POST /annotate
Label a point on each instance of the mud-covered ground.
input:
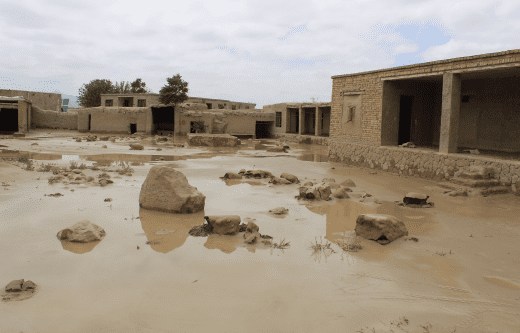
(462, 275)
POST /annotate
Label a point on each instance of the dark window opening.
(127, 102)
(9, 120)
(209, 106)
(109, 102)
(278, 119)
(197, 126)
(133, 128)
(465, 98)
(89, 121)
(247, 106)
(233, 107)
(221, 106)
(141, 102)
(405, 118)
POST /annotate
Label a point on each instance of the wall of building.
(222, 103)
(151, 99)
(24, 109)
(113, 119)
(273, 108)
(53, 119)
(45, 101)
(491, 117)
(374, 107)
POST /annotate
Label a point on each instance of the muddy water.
(175, 282)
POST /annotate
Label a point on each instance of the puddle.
(313, 157)
(79, 248)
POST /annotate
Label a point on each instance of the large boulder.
(380, 228)
(82, 232)
(318, 192)
(224, 224)
(292, 178)
(136, 146)
(280, 181)
(258, 174)
(342, 193)
(166, 189)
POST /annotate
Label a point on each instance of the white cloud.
(259, 51)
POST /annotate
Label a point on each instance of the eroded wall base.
(421, 163)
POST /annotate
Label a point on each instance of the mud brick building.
(302, 122)
(15, 115)
(444, 107)
(144, 100)
(42, 100)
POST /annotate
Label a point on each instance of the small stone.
(279, 211)
(14, 286)
(348, 183)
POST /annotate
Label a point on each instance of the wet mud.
(149, 275)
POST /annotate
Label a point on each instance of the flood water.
(149, 275)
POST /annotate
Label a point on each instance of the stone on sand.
(82, 232)
(166, 189)
(224, 224)
(292, 178)
(380, 228)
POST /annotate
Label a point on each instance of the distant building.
(44, 101)
(144, 100)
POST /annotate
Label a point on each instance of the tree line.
(175, 91)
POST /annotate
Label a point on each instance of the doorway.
(8, 120)
(263, 129)
(405, 118)
(163, 119)
(133, 128)
(89, 121)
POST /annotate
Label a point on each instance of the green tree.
(90, 93)
(139, 87)
(122, 87)
(176, 91)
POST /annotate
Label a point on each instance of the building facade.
(444, 107)
(44, 101)
(144, 100)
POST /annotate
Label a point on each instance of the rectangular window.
(109, 102)
(141, 102)
(278, 119)
(209, 106)
(247, 106)
(233, 107)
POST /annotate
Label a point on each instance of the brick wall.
(369, 85)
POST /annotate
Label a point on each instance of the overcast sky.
(262, 51)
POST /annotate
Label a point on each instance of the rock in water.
(341, 193)
(82, 232)
(224, 224)
(232, 175)
(414, 198)
(380, 228)
(348, 183)
(136, 146)
(292, 178)
(279, 211)
(166, 189)
(15, 285)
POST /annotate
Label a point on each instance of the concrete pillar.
(300, 127)
(318, 122)
(449, 136)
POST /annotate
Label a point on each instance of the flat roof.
(485, 55)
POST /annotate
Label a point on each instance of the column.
(300, 126)
(317, 132)
(449, 136)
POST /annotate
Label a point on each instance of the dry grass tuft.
(282, 245)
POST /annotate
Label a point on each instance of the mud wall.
(424, 164)
(45, 101)
(53, 119)
(232, 122)
(118, 120)
(24, 109)
(278, 108)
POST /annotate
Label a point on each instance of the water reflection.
(154, 223)
(341, 216)
(224, 243)
(313, 157)
(231, 182)
(79, 248)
